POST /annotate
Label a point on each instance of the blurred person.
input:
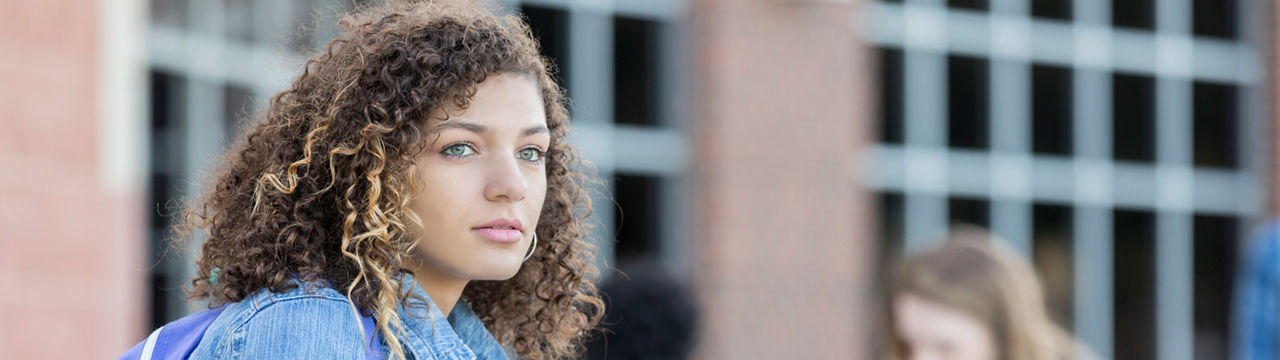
(1257, 308)
(970, 297)
(416, 173)
(650, 316)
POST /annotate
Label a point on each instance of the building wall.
(1118, 145)
(781, 228)
(70, 226)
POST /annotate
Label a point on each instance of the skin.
(932, 331)
(483, 163)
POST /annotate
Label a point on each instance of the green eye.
(530, 154)
(458, 150)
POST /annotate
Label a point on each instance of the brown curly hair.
(319, 189)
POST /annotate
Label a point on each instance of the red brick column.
(784, 246)
(71, 246)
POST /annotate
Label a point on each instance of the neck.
(443, 288)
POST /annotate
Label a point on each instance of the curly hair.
(319, 188)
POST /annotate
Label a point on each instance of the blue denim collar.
(431, 335)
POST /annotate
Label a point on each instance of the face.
(481, 182)
(933, 331)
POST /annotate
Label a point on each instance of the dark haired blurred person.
(648, 315)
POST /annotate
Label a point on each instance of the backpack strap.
(149, 346)
(175, 340)
(371, 338)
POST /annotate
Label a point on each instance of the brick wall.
(784, 253)
(70, 246)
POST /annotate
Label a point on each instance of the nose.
(505, 182)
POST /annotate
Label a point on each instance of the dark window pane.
(1053, 254)
(550, 27)
(1051, 109)
(969, 211)
(892, 216)
(1138, 14)
(1133, 117)
(890, 94)
(166, 99)
(1134, 286)
(967, 94)
(163, 192)
(1216, 18)
(162, 206)
(302, 33)
(635, 71)
(636, 216)
(239, 15)
(1215, 120)
(237, 108)
(968, 4)
(169, 12)
(159, 299)
(1051, 9)
(1215, 265)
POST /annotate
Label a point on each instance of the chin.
(499, 270)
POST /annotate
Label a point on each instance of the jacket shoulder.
(300, 323)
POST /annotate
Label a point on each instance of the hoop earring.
(532, 247)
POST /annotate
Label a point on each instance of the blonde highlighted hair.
(319, 188)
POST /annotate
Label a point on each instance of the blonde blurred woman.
(971, 297)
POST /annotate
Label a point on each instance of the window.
(241, 22)
(980, 5)
(1214, 18)
(1215, 119)
(167, 156)
(1133, 117)
(551, 28)
(891, 216)
(890, 95)
(169, 12)
(1051, 9)
(635, 71)
(1134, 287)
(970, 211)
(967, 94)
(237, 109)
(1138, 14)
(1215, 268)
(1052, 250)
(636, 215)
(1051, 109)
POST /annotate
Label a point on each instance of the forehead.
(935, 321)
(509, 100)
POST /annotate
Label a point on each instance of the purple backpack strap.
(371, 338)
(175, 340)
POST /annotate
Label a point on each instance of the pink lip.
(488, 230)
(498, 235)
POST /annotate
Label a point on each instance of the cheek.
(440, 192)
(537, 196)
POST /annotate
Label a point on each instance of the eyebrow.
(481, 129)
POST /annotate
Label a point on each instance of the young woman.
(971, 298)
(417, 173)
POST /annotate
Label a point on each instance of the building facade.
(774, 155)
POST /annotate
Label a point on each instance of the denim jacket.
(317, 322)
